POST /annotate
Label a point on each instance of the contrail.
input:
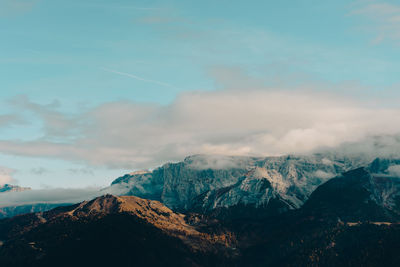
(140, 78)
(117, 6)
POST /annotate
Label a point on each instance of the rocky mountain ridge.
(209, 182)
(204, 183)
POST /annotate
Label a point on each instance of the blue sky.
(68, 65)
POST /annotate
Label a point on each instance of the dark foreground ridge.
(106, 231)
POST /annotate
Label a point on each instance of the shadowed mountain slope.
(109, 230)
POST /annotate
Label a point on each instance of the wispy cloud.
(133, 76)
(385, 18)
(10, 119)
(114, 5)
(85, 171)
(39, 171)
(57, 124)
(16, 7)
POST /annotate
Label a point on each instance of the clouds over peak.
(256, 122)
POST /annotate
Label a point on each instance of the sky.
(93, 89)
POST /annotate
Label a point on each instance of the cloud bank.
(255, 122)
(58, 195)
(51, 196)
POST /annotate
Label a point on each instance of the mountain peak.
(151, 211)
(103, 204)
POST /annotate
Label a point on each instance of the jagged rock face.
(177, 184)
(210, 182)
(144, 184)
(12, 188)
(182, 182)
(290, 180)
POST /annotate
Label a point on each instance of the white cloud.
(394, 170)
(10, 119)
(384, 146)
(56, 123)
(58, 195)
(6, 175)
(48, 196)
(323, 175)
(255, 122)
(202, 162)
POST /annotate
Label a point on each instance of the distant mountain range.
(314, 210)
(206, 183)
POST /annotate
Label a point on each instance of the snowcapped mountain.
(206, 183)
(212, 182)
(344, 212)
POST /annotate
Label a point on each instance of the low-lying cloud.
(218, 162)
(323, 175)
(53, 196)
(258, 122)
(394, 170)
(58, 195)
(6, 176)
